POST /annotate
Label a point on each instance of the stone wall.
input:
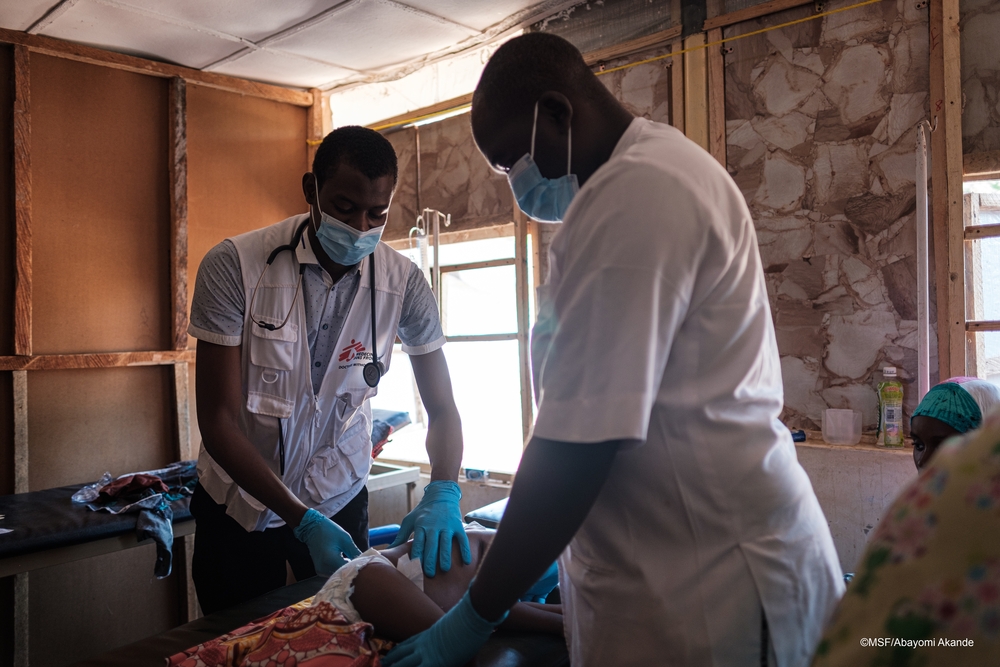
(820, 121)
(980, 26)
(821, 129)
(454, 178)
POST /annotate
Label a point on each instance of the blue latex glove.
(326, 541)
(543, 586)
(434, 522)
(451, 642)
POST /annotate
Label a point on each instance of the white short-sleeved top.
(655, 328)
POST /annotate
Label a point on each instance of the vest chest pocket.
(272, 358)
(335, 468)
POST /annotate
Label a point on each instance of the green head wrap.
(949, 403)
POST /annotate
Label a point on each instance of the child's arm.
(533, 617)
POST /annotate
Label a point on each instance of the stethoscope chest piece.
(373, 372)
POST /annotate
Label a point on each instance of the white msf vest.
(327, 435)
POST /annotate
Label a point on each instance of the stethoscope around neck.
(374, 369)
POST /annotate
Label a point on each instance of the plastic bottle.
(890, 409)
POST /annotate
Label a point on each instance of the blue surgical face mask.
(342, 243)
(541, 198)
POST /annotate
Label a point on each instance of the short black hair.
(366, 150)
(527, 66)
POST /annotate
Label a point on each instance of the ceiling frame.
(475, 38)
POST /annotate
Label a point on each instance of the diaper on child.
(339, 588)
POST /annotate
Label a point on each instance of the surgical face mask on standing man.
(342, 243)
(544, 199)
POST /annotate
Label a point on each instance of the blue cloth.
(155, 514)
(949, 403)
(158, 525)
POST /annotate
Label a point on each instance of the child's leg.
(392, 603)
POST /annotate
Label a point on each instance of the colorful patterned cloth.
(297, 635)
(927, 591)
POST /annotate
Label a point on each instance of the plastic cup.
(841, 427)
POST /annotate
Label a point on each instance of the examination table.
(504, 649)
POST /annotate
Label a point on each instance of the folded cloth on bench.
(300, 634)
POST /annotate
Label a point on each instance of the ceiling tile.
(478, 14)
(127, 32)
(369, 35)
(21, 14)
(250, 19)
(282, 69)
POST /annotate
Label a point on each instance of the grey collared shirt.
(218, 307)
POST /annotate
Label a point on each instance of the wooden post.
(946, 180)
(185, 451)
(314, 125)
(21, 485)
(524, 354)
(716, 98)
(20, 382)
(22, 201)
(177, 168)
(21, 655)
(677, 87)
(696, 91)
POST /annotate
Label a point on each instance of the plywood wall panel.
(100, 209)
(6, 202)
(82, 609)
(84, 422)
(246, 157)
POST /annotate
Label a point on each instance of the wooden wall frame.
(23, 361)
(177, 171)
(22, 201)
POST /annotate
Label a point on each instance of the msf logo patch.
(352, 351)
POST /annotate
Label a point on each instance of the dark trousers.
(231, 565)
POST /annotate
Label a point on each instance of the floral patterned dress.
(928, 587)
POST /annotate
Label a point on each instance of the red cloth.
(301, 635)
(130, 484)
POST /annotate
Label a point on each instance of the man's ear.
(309, 187)
(557, 108)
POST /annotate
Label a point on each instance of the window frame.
(524, 231)
(967, 295)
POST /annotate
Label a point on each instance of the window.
(982, 278)
(486, 316)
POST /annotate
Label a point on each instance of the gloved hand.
(451, 642)
(543, 586)
(434, 522)
(326, 541)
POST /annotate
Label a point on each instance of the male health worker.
(658, 472)
(295, 325)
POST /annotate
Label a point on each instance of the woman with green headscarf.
(951, 408)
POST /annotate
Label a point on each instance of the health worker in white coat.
(658, 471)
(295, 325)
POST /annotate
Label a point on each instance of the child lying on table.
(389, 591)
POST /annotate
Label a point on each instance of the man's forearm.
(444, 445)
(556, 485)
(241, 460)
